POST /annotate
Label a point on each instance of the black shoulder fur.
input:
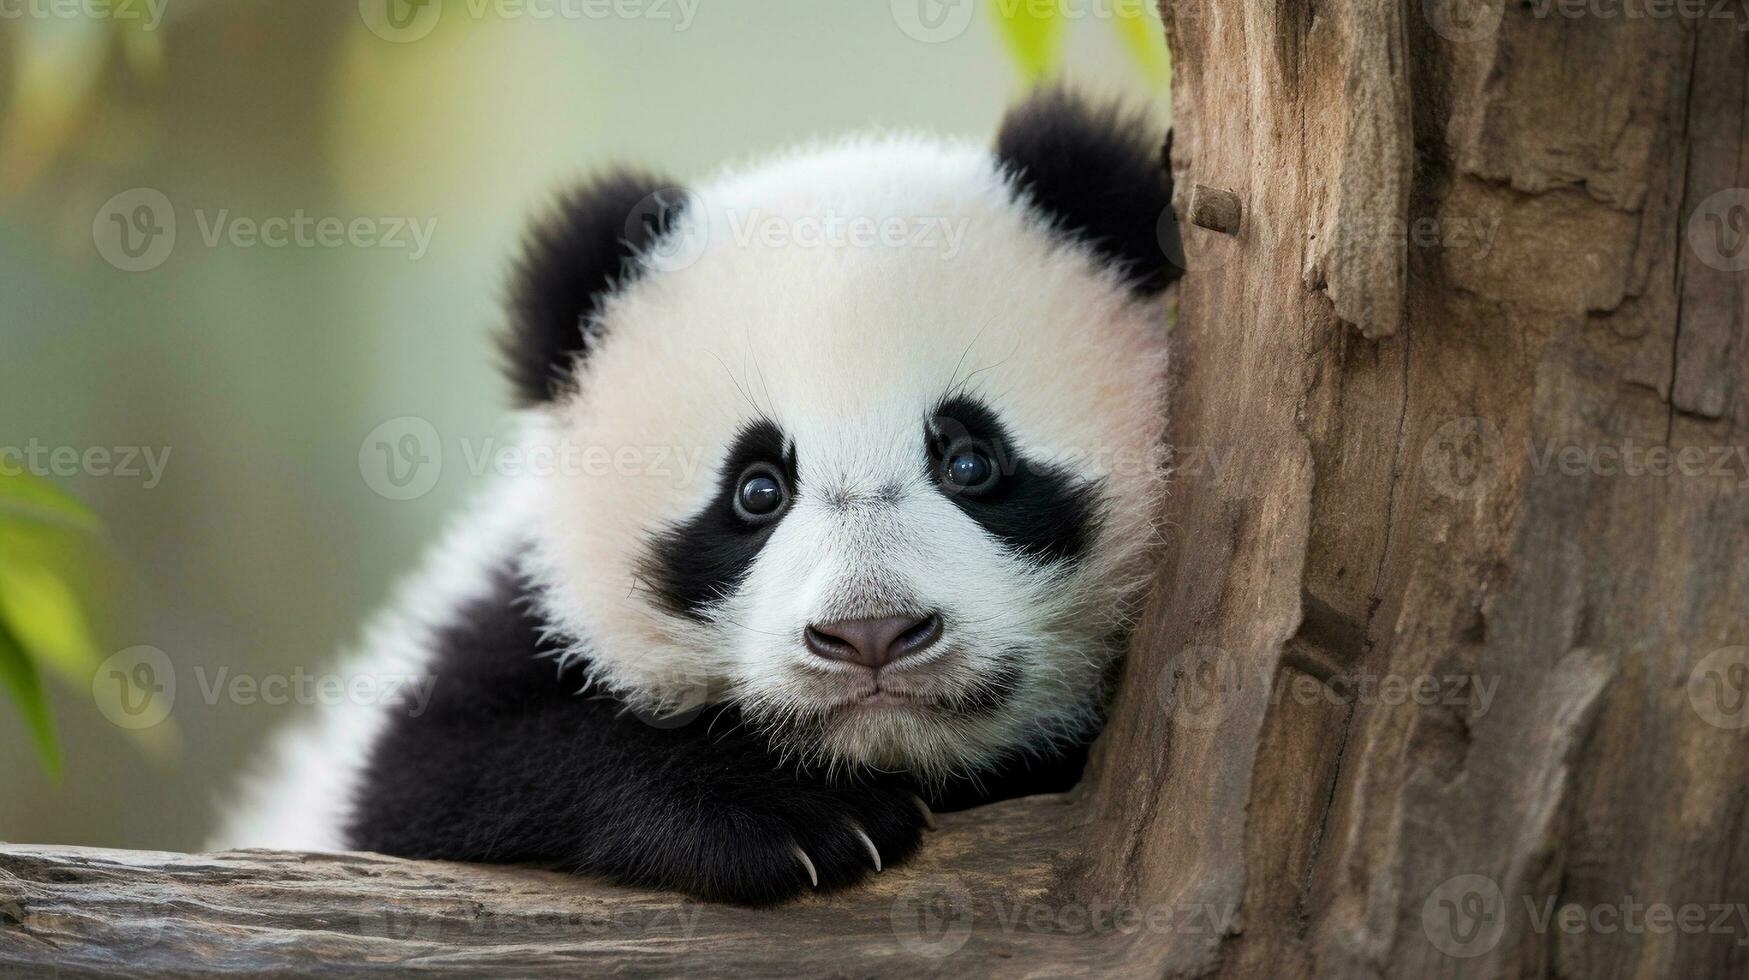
(511, 762)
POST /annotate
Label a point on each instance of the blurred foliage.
(43, 624)
(1033, 32)
(1144, 38)
(54, 73)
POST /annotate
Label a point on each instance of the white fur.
(846, 347)
(299, 795)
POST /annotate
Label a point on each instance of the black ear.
(1098, 174)
(572, 258)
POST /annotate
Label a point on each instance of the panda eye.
(760, 496)
(968, 471)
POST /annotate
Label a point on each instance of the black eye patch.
(1042, 511)
(696, 563)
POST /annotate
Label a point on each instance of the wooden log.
(982, 900)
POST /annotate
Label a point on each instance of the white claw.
(813, 876)
(872, 851)
(923, 808)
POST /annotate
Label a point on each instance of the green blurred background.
(261, 370)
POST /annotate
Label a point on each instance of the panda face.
(891, 495)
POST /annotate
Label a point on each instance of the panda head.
(865, 441)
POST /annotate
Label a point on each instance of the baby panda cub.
(851, 463)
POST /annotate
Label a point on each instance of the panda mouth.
(988, 693)
(878, 697)
(881, 698)
(884, 692)
(873, 695)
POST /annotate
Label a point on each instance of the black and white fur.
(621, 682)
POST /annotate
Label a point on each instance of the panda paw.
(798, 839)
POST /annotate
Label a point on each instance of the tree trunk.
(1445, 658)
(1446, 670)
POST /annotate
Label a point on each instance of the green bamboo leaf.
(45, 619)
(20, 679)
(1144, 38)
(1033, 33)
(28, 500)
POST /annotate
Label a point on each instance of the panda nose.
(873, 643)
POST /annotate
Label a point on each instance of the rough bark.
(1434, 658)
(1405, 461)
(83, 911)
